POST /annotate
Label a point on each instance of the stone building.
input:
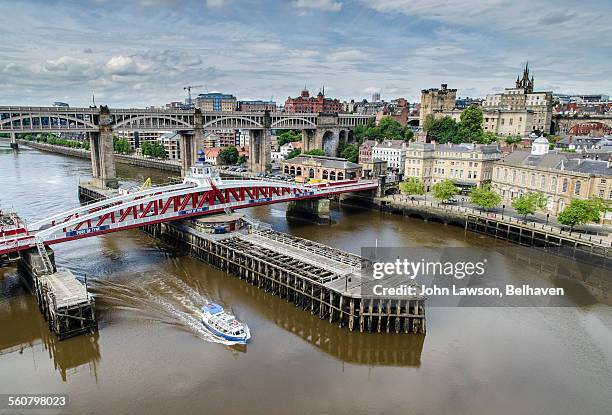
(324, 168)
(171, 141)
(436, 100)
(365, 151)
(393, 152)
(466, 165)
(216, 101)
(523, 98)
(553, 173)
(306, 103)
(256, 105)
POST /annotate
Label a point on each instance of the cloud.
(126, 65)
(557, 17)
(217, 4)
(312, 5)
(347, 55)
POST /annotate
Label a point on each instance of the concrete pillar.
(102, 153)
(188, 151)
(308, 140)
(312, 209)
(327, 139)
(260, 142)
(14, 144)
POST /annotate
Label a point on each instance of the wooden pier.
(67, 307)
(317, 278)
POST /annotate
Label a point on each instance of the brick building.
(306, 103)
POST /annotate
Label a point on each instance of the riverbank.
(166, 165)
(547, 236)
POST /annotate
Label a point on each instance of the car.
(452, 200)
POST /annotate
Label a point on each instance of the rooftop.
(325, 161)
(558, 161)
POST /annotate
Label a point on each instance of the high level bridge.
(320, 130)
(167, 203)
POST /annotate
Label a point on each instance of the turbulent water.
(152, 355)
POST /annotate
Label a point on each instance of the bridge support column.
(188, 149)
(313, 209)
(260, 142)
(308, 140)
(102, 152)
(14, 144)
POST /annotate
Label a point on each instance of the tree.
(390, 129)
(121, 145)
(229, 155)
(485, 197)
(412, 186)
(408, 134)
(488, 137)
(511, 139)
(444, 190)
(289, 136)
(293, 153)
(581, 211)
(351, 153)
(442, 130)
(529, 203)
(470, 125)
(242, 159)
(315, 152)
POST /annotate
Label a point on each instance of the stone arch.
(286, 170)
(342, 136)
(329, 142)
(350, 137)
(332, 175)
(325, 175)
(311, 173)
(413, 123)
(298, 171)
(340, 175)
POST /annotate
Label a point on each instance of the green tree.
(289, 136)
(442, 130)
(293, 153)
(315, 152)
(444, 190)
(390, 129)
(229, 155)
(412, 186)
(121, 145)
(581, 211)
(529, 203)
(470, 125)
(351, 153)
(242, 159)
(408, 134)
(485, 197)
(512, 139)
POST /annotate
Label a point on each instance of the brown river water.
(151, 356)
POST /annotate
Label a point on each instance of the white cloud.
(311, 5)
(347, 55)
(126, 65)
(217, 4)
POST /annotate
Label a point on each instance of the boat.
(224, 325)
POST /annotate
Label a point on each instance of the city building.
(393, 152)
(255, 106)
(398, 110)
(171, 143)
(306, 103)
(467, 165)
(375, 96)
(212, 155)
(373, 169)
(365, 151)
(221, 138)
(216, 101)
(436, 100)
(321, 168)
(553, 173)
(136, 138)
(523, 98)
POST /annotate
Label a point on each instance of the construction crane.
(188, 89)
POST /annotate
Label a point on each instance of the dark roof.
(558, 161)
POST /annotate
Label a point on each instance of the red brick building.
(594, 129)
(306, 103)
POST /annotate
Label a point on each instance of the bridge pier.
(188, 149)
(260, 142)
(317, 209)
(103, 159)
(14, 144)
(308, 140)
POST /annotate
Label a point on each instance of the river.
(150, 356)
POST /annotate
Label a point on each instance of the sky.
(135, 53)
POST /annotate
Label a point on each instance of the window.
(565, 183)
(553, 184)
(542, 182)
(577, 187)
(532, 180)
(523, 178)
(601, 193)
(513, 176)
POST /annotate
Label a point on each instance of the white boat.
(224, 325)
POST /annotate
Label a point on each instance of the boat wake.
(159, 297)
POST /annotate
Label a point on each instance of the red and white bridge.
(167, 203)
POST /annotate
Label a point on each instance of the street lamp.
(547, 216)
(503, 209)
